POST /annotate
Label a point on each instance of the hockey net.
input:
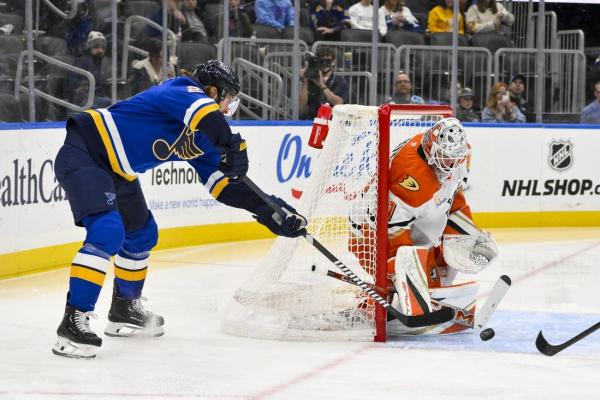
(289, 295)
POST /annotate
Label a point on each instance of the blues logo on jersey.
(183, 147)
(159, 124)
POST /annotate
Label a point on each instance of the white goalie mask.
(446, 148)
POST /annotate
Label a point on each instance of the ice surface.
(555, 289)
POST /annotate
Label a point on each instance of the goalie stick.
(496, 295)
(461, 316)
(437, 317)
(549, 350)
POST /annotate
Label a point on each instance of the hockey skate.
(75, 338)
(129, 318)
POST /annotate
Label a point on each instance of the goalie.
(431, 234)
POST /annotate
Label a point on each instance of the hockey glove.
(234, 159)
(469, 253)
(293, 224)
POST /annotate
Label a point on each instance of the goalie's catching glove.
(469, 253)
(234, 158)
(293, 224)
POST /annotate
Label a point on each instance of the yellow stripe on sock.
(129, 275)
(87, 274)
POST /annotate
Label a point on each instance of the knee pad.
(105, 231)
(142, 240)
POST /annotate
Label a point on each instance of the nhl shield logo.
(561, 155)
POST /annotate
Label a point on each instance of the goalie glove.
(292, 226)
(469, 253)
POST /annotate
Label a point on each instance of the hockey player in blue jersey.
(104, 149)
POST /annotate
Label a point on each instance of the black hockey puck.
(313, 268)
(487, 334)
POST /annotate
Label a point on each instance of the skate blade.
(122, 329)
(67, 348)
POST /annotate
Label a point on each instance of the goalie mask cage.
(289, 295)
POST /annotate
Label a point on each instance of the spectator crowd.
(86, 40)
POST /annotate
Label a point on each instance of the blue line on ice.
(516, 332)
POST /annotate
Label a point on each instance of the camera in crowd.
(321, 63)
(312, 67)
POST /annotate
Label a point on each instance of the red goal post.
(385, 114)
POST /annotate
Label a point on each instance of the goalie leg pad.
(449, 275)
(411, 281)
(462, 296)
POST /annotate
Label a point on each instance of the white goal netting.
(289, 296)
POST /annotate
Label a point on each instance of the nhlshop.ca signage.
(534, 169)
(560, 158)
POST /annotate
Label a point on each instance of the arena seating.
(64, 40)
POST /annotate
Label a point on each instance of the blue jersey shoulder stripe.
(200, 112)
(112, 144)
(189, 113)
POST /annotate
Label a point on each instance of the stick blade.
(547, 349)
(544, 347)
(440, 316)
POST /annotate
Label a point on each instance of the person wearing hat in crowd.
(516, 88)
(91, 60)
(465, 112)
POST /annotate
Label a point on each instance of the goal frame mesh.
(292, 295)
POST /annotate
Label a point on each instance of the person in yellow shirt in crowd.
(440, 18)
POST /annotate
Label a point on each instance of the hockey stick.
(461, 316)
(496, 295)
(548, 349)
(442, 315)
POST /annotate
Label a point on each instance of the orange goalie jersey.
(419, 206)
(425, 203)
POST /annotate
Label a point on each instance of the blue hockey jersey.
(171, 122)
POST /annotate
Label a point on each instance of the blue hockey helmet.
(214, 72)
